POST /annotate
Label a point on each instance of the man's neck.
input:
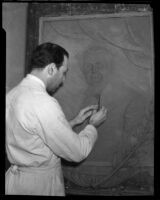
(40, 76)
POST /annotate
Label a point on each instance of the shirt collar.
(35, 78)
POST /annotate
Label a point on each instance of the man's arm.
(57, 133)
(73, 122)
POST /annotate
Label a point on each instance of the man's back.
(22, 125)
(37, 136)
(32, 161)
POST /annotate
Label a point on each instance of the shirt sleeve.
(59, 136)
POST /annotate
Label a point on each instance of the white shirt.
(37, 132)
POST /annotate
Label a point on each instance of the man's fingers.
(94, 112)
(92, 107)
(103, 109)
(88, 114)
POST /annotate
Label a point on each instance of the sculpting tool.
(99, 102)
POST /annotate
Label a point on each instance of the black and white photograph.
(79, 99)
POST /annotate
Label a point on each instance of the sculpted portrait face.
(97, 66)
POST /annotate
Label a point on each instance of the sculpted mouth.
(95, 78)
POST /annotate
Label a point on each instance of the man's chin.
(53, 91)
(60, 85)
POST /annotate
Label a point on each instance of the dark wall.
(37, 10)
(7, 164)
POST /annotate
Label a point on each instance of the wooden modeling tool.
(99, 102)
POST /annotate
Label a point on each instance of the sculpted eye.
(89, 67)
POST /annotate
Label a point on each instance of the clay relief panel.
(111, 63)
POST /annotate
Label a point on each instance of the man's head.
(49, 62)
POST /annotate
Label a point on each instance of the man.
(37, 132)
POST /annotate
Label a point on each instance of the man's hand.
(83, 115)
(99, 117)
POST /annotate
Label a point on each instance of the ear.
(51, 69)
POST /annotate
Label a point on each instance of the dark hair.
(47, 53)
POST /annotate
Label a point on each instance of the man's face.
(58, 78)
